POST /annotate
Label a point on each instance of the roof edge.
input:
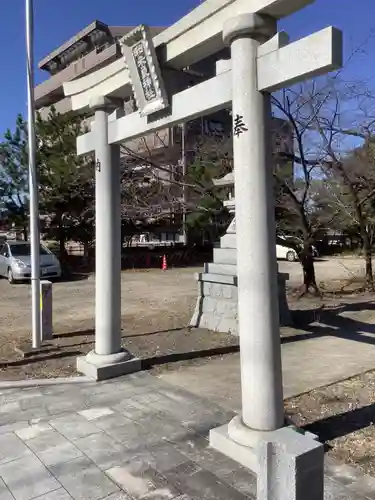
(94, 25)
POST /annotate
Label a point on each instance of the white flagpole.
(33, 183)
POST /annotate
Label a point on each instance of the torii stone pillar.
(108, 359)
(262, 403)
(289, 466)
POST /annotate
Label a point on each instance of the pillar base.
(288, 463)
(221, 441)
(104, 367)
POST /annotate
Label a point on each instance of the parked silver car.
(15, 262)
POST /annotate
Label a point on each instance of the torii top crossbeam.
(192, 38)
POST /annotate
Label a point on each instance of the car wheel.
(290, 257)
(10, 276)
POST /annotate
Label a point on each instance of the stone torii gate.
(261, 62)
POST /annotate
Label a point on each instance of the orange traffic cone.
(164, 265)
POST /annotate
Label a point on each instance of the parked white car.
(15, 262)
(286, 253)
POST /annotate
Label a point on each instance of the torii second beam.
(316, 54)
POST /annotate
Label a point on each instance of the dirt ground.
(343, 416)
(155, 304)
(152, 301)
(331, 272)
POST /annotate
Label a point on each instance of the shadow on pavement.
(38, 359)
(322, 322)
(342, 424)
(70, 277)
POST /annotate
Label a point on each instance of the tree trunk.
(86, 250)
(62, 250)
(308, 267)
(368, 260)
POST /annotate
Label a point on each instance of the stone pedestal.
(103, 367)
(289, 464)
(216, 307)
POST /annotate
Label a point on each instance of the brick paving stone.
(23, 394)
(83, 480)
(145, 398)
(364, 486)
(112, 421)
(46, 440)
(10, 407)
(48, 417)
(5, 494)
(101, 399)
(56, 407)
(59, 494)
(197, 449)
(132, 409)
(239, 478)
(198, 483)
(335, 491)
(141, 481)
(39, 412)
(33, 401)
(11, 448)
(27, 478)
(73, 426)
(95, 413)
(55, 455)
(163, 427)
(121, 495)
(7, 428)
(136, 433)
(193, 445)
(165, 457)
(103, 450)
(132, 436)
(33, 431)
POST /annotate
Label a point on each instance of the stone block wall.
(216, 307)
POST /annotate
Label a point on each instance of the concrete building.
(97, 46)
(89, 50)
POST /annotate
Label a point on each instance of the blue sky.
(56, 21)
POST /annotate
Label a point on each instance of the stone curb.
(40, 382)
(146, 364)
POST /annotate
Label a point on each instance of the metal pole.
(33, 182)
(184, 190)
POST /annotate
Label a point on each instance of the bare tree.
(294, 185)
(346, 112)
(155, 187)
(333, 123)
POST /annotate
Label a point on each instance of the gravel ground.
(152, 301)
(331, 272)
(343, 416)
(59, 357)
(157, 307)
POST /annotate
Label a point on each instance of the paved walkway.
(307, 364)
(133, 438)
